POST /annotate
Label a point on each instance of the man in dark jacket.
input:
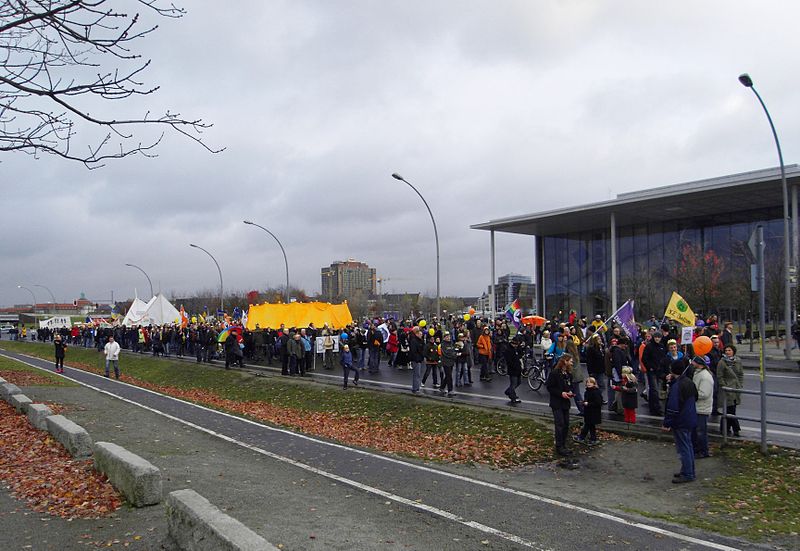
(652, 359)
(681, 418)
(416, 355)
(513, 355)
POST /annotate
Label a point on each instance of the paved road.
(450, 511)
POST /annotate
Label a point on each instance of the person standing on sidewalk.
(731, 375)
(61, 349)
(559, 386)
(111, 351)
(681, 418)
(704, 382)
(416, 355)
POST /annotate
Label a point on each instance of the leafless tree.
(58, 58)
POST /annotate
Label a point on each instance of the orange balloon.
(702, 345)
(472, 311)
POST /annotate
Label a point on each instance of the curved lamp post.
(32, 295)
(221, 304)
(52, 296)
(435, 235)
(145, 275)
(747, 82)
(249, 223)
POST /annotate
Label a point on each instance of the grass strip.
(23, 375)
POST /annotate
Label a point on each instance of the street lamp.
(221, 306)
(52, 296)
(285, 260)
(435, 235)
(152, 294)
(32, 295)
(747, 82)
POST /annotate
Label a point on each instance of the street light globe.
(745, 79)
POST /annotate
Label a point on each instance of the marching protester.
(448, 354)
(416, 354)
(513, 360)
(592, 412)
(346, 359)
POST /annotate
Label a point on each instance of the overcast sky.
(491, 108)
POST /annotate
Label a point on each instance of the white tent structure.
(160, 311)
(136, 312)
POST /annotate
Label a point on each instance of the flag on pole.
(679, 310)
(624, 318)
(514, 313)
(184, 317)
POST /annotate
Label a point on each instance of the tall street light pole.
(52, 296)
(436, 236)
(747, 82)
(285, 260)
(32, 295)
(152, 294)
(221, 304)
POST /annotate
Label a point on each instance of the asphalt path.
(482, 513)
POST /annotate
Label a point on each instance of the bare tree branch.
(58, 55)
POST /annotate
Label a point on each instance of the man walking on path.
(112, 356)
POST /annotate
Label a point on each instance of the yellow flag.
(679, 310)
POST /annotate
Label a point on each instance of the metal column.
(613, 262)
(492, 304)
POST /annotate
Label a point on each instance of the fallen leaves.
(26, 378)
(39, 471)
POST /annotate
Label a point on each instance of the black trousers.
(60, 365)
(447, 379)
(561, 424)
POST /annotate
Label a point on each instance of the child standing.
(431, 361)
(629, 389)
(592, 412)
(347, 364)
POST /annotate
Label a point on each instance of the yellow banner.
(679, 310)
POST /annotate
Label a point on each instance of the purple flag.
(624, 318)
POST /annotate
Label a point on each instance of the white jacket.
(704, 382)
(112, 350)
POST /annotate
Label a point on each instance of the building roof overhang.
(758, 189)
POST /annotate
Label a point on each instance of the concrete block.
(7, 390)
(194, 524)
(38, 414)
(20, 402)
(71, 435)
(136, 478)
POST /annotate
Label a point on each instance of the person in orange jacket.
(484, 346)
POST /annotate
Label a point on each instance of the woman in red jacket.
(392, 347)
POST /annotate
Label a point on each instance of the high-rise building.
(343, 279)
(513, 286)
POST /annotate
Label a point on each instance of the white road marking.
(377, 491)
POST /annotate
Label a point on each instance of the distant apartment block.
(343, 279)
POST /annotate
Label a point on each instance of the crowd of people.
(589, 364)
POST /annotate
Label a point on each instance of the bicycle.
(536, 371)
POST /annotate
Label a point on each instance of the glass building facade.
(704, 259)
